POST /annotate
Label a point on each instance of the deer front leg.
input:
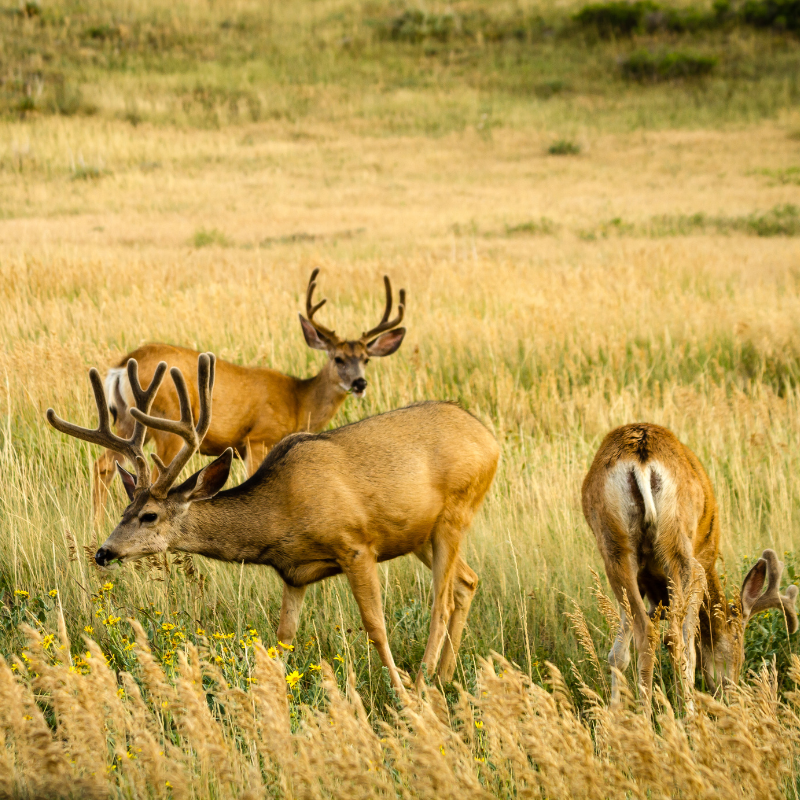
(362, 573)
(290, 612)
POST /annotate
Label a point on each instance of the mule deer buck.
(255, 407)
(408, 481)
(652, 509)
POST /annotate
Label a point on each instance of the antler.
(183, 427)
(311, 309)
(753, 604)
(386, 324)
(103, 435)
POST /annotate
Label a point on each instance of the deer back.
(253, 402)
(384, 482)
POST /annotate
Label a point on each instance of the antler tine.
(103, 435)
(772, 598)
(183, 427)
(143, 398)
(386, 324)
(312, 309)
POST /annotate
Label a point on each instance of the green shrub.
(204, 238)
(616, 18)
(644, 66)
(542, 227)
(779, 14)
(564, 147)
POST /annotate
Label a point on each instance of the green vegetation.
(564, 147)
(643, 66)
(208, 66)
(204, 238)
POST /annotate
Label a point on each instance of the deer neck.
(226, 529)
(319, 398)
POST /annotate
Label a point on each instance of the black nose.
(102, 556)
(359, 384)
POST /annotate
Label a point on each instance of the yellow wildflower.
(53, 593)
(20, 593)
(337, 657)
(200, 632)
(478, 724)
(289, 647)
(88, 629)
(293, 678)
(272, 652)
(107, 587)
(314, 666)
(167, 626)
(111, 620)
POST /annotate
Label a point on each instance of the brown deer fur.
(652, 510)
(254, 407)
(408, 481)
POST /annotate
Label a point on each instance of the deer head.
(152, 521)
(722, 653)
(347, 359)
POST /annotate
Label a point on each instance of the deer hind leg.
(362, 574)
(444, 553)
(104, 470)
(291, 605)
(622, 577)
(465, 584)
(620, 654)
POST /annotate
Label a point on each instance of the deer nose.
(359, 385)
(102, 557)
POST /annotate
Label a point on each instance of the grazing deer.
(408, 481)
(255, 407)
(651, 507)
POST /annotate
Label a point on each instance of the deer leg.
(620, 654)
(290, 612)
(256, 453)
(691, 596)
(362, 573)
(622, 577)
(444, 555)
(465, 585)
(104, 470)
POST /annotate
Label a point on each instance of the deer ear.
(387, 343)
(313, 339)
(128, 480)
(205, 483)
(753, 585)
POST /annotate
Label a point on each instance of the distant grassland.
(397, 68)
(580, 249)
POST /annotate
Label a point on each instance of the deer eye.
(366, 361)
(339, 360)
(149, 517)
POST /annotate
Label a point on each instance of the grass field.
(579, 250)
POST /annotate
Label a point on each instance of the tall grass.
(193, 735)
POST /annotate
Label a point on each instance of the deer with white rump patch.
(254, 407)
(652, 509)
(408, 481)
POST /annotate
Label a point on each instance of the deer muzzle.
(105, 558)
(358, 387)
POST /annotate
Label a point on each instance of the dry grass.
(113, 235)
(192, 735)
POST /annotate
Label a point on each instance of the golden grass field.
(554, 297)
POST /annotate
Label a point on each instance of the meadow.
(581, 247)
